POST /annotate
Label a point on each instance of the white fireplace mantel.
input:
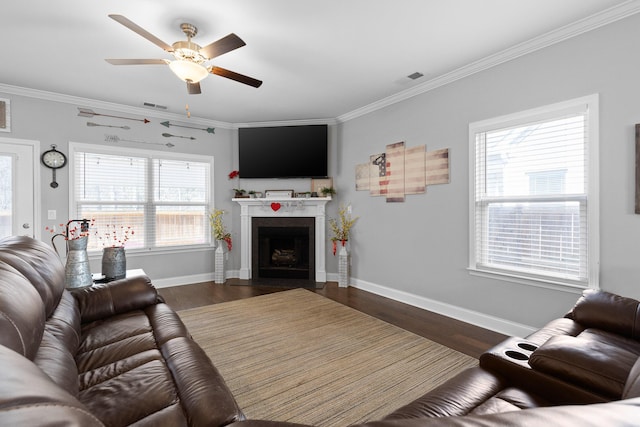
(283, 207)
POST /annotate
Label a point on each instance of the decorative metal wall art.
(87, 112)
(208, 130)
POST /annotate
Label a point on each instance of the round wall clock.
(53, 159)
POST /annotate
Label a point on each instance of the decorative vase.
(343, 265)
(219, 276)
(114, 263)
(77, 272)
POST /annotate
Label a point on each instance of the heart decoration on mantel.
(275, 206)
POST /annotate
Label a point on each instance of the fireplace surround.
(288, 208)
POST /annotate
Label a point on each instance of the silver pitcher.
(77, 271)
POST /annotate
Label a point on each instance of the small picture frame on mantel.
(279, 194)
(5, 115)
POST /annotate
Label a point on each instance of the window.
(163, 197)
(534, 203)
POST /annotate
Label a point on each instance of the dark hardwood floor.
(461, 336)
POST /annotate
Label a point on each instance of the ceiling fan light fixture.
(188, 71)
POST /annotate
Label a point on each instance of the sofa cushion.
(22, 313)
(510, 399)
(146, 356)
(561, 326)
(588, 363)
(609, 312)
(39, 264)
(611, 338)
(28, 397)
(632, 386)
(58, 363)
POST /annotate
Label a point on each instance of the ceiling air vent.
(415, 75)
(156, 106)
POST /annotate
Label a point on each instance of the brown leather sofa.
(112, 354)
(115, 355)
(580, 370)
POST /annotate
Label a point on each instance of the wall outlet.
(51, 214)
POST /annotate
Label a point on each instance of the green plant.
(327, 191)
(218, 228)
(239, 191)
(341, 226)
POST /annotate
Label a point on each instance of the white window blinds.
(531, 196)
(149, 201)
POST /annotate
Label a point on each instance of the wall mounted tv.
(283, 152)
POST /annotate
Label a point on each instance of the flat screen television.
(283, 152)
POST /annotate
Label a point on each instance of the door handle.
(26, 225)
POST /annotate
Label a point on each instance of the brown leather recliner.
(111, 354)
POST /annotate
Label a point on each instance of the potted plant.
(239, 193)
(218, 229)
(220, 234)
(327, 191)
(341, 227)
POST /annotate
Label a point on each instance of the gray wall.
(418, 250)
(53, 119)
(56, 121)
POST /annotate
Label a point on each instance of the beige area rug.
(300, 357)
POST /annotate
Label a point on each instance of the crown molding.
(111, 106)
(608, 16)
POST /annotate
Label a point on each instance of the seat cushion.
(588, 363)
(142, 367)
(28, 397)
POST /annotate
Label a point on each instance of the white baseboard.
(486, 321)
(189, 280)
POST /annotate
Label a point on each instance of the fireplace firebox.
(283, 248)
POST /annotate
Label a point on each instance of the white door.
(18, 171)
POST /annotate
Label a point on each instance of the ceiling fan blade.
(141, 31)
(137, 61)
(235, 76)
(224, 45)
(193, 88)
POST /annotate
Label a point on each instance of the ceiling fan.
(189, 60)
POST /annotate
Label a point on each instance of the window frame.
(150, 155)
(588, 105)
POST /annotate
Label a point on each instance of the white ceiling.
(321, 59)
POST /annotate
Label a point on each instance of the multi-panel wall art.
(400, 171)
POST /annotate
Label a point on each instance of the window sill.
(557, 285)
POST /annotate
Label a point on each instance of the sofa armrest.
(613, 414)
(107, 299)
(458, 396)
